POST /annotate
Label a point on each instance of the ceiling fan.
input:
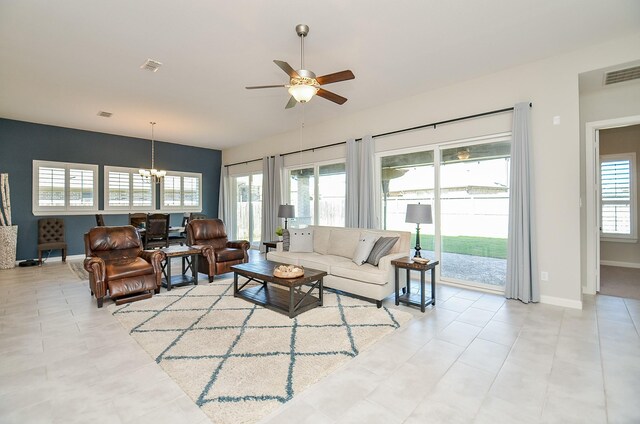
(303, 84)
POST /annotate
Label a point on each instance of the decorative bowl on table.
(288, 271)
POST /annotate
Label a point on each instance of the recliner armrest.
(239, 244)
(96, 266)
(155, 258)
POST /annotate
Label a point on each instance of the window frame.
(182, 207)
(67, 209)
(233, 194)
(316, 185)
(131, 207)
(632, 237)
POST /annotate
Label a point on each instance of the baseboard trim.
(621, 264)
(561, 301)
(56, 258)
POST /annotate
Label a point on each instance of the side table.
(183, 252)
(409, 298)
(269, 245)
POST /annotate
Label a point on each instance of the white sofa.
(333, 250)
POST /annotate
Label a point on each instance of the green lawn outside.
(477, 246)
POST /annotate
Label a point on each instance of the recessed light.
(104, 114)
(151, 65)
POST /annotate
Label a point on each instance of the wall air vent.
(622, 75)
(104, 114)
(151, 65)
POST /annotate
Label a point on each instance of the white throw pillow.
(301, 240)
(365, 244)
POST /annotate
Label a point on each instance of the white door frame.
(592, 174)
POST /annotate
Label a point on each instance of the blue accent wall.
(23, 142)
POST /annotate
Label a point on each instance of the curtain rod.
(433, 124)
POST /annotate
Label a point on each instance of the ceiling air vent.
(622, 75)
(104, 114)
(151, 65)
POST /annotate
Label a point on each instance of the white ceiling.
(63, 61)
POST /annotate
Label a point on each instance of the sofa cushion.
(321, 239)
(365, 244)
(301, 240)
(290, 258)
(381, 248)
(320, 262)
(366, 273)
(343, 242)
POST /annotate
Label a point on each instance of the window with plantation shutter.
(618, 196)
(64, 187)
(191, 191)
(181, 191)
(126, 189)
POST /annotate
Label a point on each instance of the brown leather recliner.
(225, 253)
(117, 264)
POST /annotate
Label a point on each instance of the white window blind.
(126, 189)
(119, 193)
(617, 188)
(172, 191)
(142, 191)
(182, 191)
(51, 187)
(191, 191)
(64, 187)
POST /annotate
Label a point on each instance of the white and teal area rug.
(239, 361)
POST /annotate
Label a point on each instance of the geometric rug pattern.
(239, 361)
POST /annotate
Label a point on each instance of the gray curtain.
(522, 273)
(353, 194)
(224, 203)
(271, 197)
(366, 177)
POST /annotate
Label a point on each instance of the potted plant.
(279, 233)
(8, 232)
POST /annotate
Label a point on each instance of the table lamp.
(286, 212)
(418, 214)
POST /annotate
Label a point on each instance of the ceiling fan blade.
(263, 86)
(331, 96)
(287, 68)
(335, 77)
(291, 103)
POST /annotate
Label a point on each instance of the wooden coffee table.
(290, 302)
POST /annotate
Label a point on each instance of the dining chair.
(156, 230)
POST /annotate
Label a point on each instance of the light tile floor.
(475, 358)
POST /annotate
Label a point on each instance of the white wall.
(551, 84)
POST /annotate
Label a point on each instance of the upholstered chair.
(117, 265)
(51, 237)
(226, 253)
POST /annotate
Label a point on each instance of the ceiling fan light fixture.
(463, 154)
(303, 93)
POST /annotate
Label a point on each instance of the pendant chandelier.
(153, 172)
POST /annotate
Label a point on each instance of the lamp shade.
(302, 93)
(419, 214)
(286, 211)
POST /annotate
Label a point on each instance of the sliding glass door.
(408, 179)
(467, 185)
(247, 205)
(474, 213)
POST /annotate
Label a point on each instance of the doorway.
(612, 192)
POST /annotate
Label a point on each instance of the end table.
(409, 298)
